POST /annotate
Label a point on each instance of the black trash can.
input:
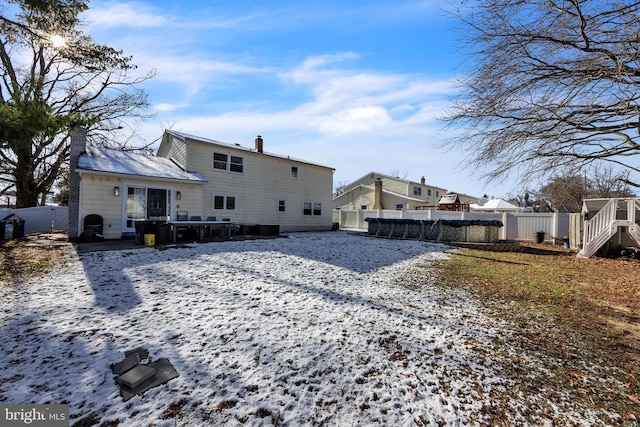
(540, 237)
(19, 226)
(163, 232)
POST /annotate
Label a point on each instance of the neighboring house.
(202, 178)
(380, 191)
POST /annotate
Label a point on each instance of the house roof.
(448, 199)
(406, 181)
(387, 192)
(184, 136)
(495, 205)
(107, 160)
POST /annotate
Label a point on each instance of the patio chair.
(181, 216)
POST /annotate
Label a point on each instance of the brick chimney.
(77, 147)
(377, 195)
(259, 146)
(422, 181)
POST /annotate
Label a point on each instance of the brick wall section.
(78, 146)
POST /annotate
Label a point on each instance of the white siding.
(264, 181)
(174, 149)
(96, 195)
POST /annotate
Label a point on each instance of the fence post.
(503, 232)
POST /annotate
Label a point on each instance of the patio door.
(142, 203)
(157, 204)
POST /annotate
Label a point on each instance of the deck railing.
(604, 225)
(599, 229)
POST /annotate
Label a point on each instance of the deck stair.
(605, 223)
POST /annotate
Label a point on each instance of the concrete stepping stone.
(136, 376)
(127, 364)
(164, 373)
(136, 373)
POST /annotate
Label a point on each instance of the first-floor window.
(399, 206)
(312, 208)
(282, 205)
(363, 207)
(222, 202)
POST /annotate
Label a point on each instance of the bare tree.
(55, 79)
(555, 85)
(339, 188)
(605, 182)
(397, 173)
(565, 193)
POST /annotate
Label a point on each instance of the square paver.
(136, 376)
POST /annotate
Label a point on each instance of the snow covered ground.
(312, 329)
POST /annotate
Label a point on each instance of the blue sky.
(357, 85)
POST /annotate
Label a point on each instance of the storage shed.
(451, 202)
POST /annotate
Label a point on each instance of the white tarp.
(494, 205)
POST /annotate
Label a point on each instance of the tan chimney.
(422, 181)
(259, 146)
(377, 195)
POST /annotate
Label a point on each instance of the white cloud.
(167, 107)
(113, 14)
(359, 119)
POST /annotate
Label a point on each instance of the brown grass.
(20, 261)
(579, 312)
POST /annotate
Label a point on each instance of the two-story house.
(197, 177)
(252, 186)
(379, 191)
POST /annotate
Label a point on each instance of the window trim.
(229, 164)
(282, 203)
(225, 203)
(313, 209)
(295, 175)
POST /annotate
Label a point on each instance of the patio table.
(225, 226)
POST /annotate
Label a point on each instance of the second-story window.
(228, 162)
(417, 191)
(294, 172)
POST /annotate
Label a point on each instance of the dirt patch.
(33, 256)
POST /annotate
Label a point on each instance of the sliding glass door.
(143, 203)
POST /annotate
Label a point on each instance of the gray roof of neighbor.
(107, 160)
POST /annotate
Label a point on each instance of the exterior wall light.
(116, 191)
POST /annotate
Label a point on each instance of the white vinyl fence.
(40, 219)
(517, 226)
